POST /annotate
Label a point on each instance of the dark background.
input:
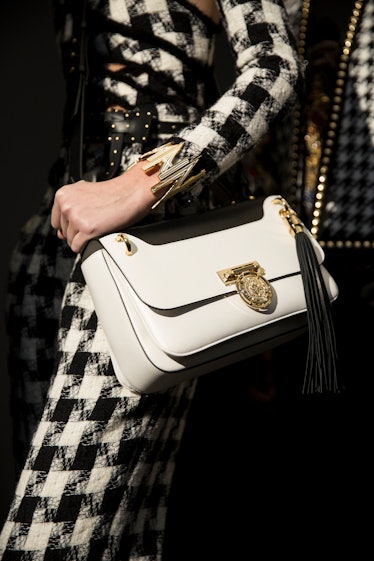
(294, 467)
(31, 99)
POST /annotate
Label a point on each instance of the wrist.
(142, 183)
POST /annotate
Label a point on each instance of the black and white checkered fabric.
(97, 476)
(348, 210)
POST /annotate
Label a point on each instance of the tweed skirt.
(95, 460)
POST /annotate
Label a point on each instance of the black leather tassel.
(321, 366)
(321, 371)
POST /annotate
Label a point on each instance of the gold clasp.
(250, 283)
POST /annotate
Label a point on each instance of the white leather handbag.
(184, 297)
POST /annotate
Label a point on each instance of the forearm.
(269, 78)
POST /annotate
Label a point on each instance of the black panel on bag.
(177, 229)
(198, 225)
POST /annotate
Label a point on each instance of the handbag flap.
(168, 268)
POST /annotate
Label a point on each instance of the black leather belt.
(129, 127)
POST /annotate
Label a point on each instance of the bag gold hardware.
(289, 215)
(250, 283)
(125, 239)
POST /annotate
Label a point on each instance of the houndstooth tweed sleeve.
(268, 79)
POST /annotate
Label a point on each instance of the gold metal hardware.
(290, 216)
(250, 283)
(175, 176)
(125, 239)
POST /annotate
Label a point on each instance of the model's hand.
(84, 210)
